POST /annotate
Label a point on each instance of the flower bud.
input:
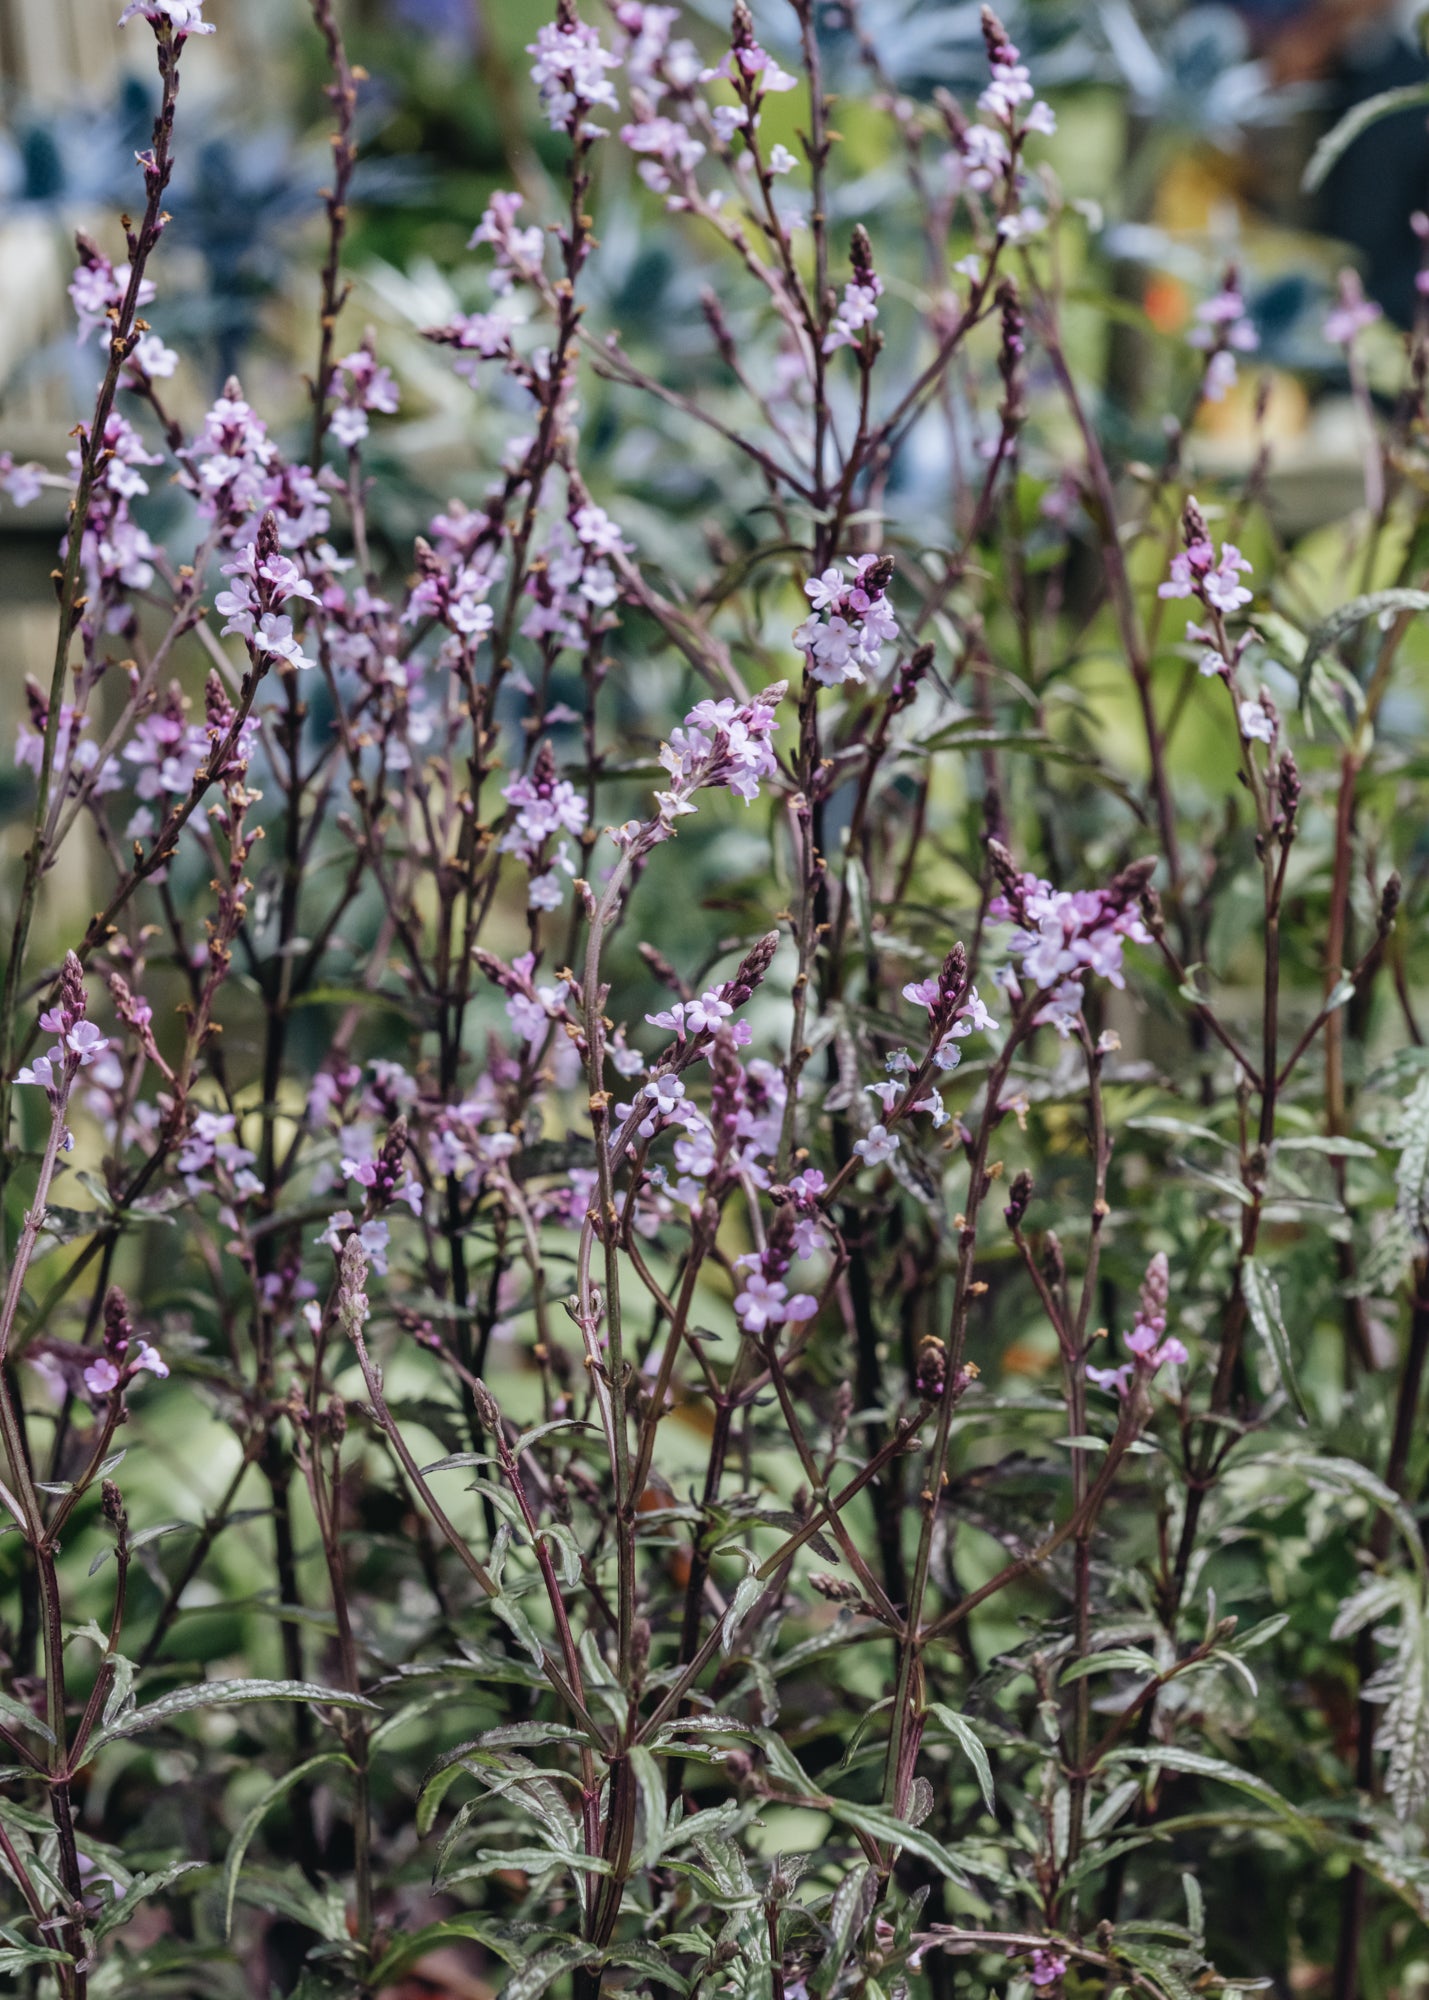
(837, 1589)
(752, 970)
(1018, 1196)
(487, 1408)
(1389, 902)
(931, 1375)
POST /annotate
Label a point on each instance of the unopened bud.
(1018, 1196)
(931, 1376)
(487, 1408)
(73, 998)
(837, 1589)
(1389, 901)
(753, 968)
(953, 977)
(1054, 1264)
(118, 1326)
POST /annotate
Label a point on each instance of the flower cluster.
(1150, 1346)
(1222, 331)
(1061, 935)
(544, 805)
(1351, 313)
(1197, 571)
(988, 151)
(852, 621)
(79, 1043)
(570, 72)
(724, 744)
(184, 17)
(98, 288)
(364, 386)
(858, 308)
(124, 1356)
(516, 253)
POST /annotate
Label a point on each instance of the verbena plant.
(765, 1131)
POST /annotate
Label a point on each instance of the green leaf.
(253, 1819)
(1115, 1660)
(1346, 617)
(538, 1973)
(1346, 1475)
(140, 1540)
(648, 1776)
(649, 1959)
(1406, 1720)
(1411, 1177)
(1358, 119)
(23, 1717)
(1262, 1301)
(222, 1694)
(139, 1890)
(883, 1825)
(972, 1746)
(18, 1958)
(416, 1944)
(1169, 1757)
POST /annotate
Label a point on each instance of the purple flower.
(101, 1378)
(570, 73)
(184, 16)
(877, 1145)
(1352, 313)
(1047, 1967)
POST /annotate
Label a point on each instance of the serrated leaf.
(532, 1978)
(1262, 1301)
(24, 1717)
(1170, 1757)
(1355, 611)
(222, 1694)
(140, 1889)
(1405, 1728)
(1347, 1475)
(649, 1959)
(18, 1958)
